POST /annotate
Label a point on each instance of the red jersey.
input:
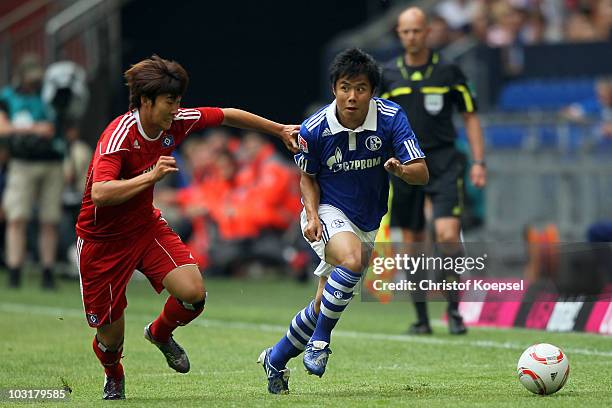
(124, 151)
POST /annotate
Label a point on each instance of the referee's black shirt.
(428, 93)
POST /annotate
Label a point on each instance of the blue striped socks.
(294, 342)
(337, 294)
(306, 326)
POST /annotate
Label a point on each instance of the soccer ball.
(543, 369)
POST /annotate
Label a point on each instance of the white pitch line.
(270, 328)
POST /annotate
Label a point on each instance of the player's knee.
(195, 302)
(352, 261)
(194, 292)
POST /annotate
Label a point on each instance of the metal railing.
(84, 31)
(87, 32)
(565, 179)
(22, 31)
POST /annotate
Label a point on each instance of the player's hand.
(313, 230)
(393, 166)
(164, 166)
(289, 137)
(478, 175)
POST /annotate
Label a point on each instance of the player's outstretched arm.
(311, 194)
(246, 120)
(413, 172)
(114, 192)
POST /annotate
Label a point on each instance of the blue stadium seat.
(568, 137)
(548, 136)
(545, 94)
(505, 136)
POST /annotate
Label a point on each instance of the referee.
(428, 89)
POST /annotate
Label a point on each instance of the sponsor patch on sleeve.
(303, 144)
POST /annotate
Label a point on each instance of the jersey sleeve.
(405, 144)
(307, 158)
(192, 120)
(108, 167)
(112, 148)
(463, 97)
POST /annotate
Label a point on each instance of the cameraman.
(35, 174)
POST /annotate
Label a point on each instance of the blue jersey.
(349, 164)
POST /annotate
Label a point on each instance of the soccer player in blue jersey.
(347, 150)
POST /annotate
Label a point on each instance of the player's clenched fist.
(313, 230)
(393, 166)
(164, 165)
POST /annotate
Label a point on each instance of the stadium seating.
(544, 97)
(565, 137)
(545, 94)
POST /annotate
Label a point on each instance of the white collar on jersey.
(368, 124)
(141, 130)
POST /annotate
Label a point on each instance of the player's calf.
(114, 378)
(337, 294)
(175, 313)
(298, 334)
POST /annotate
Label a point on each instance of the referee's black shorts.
(445, 189)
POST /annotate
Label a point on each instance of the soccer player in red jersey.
(118, 228)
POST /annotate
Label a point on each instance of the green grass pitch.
(44, 338)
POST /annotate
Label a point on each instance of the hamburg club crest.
(168, 141)
(92, 318)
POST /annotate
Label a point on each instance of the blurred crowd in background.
(512, 25)
(235, 200)
(501, 23)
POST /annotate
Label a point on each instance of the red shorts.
(105, 268)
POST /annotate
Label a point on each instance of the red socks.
(173, 315)
(111, 360)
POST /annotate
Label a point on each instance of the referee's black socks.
(14, 277)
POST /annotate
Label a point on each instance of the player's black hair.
(155, 76)
(353, 62)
